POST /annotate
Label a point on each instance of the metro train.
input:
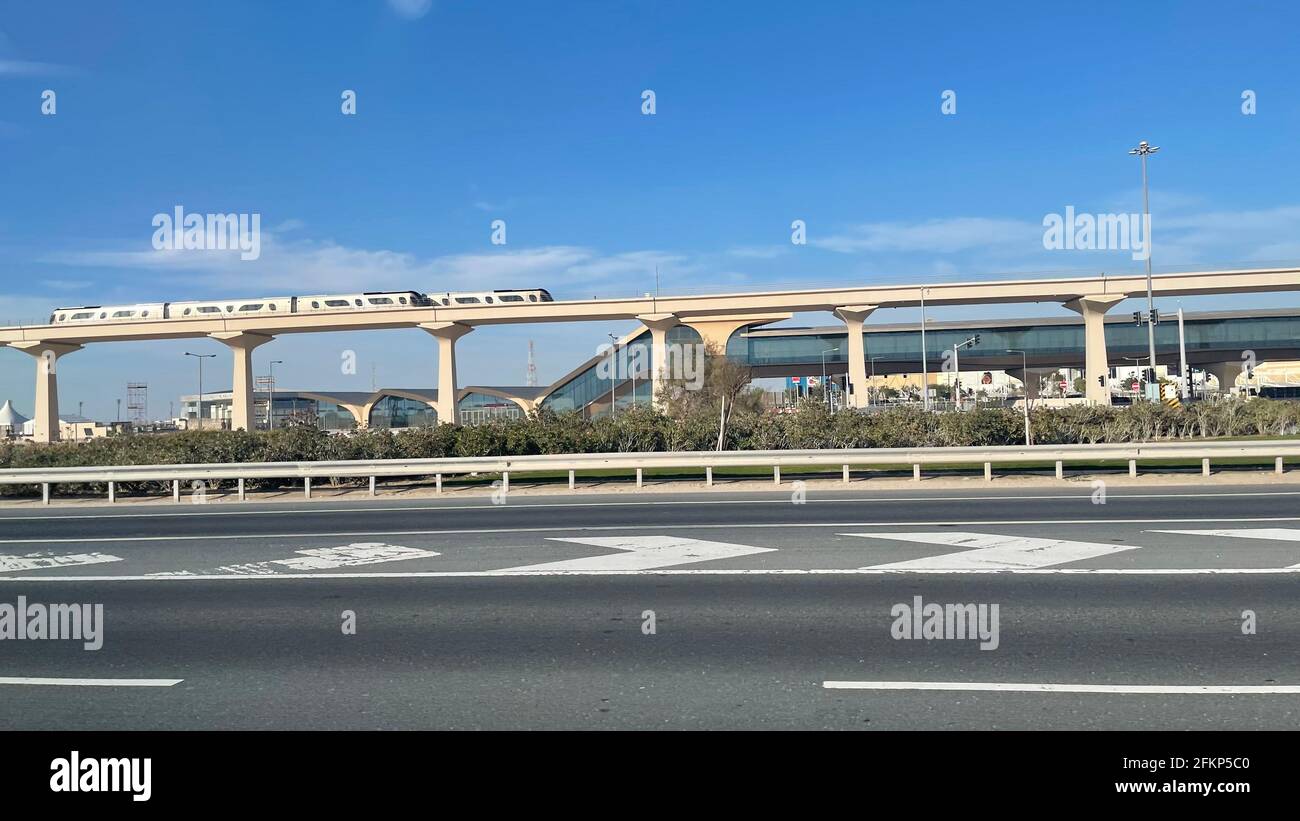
(317, 303)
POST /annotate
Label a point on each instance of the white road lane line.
(1275, 534)
(92, 682)
(644, 553)
(1272, 534)
(994, 552)
(1028, 687)
(362, 508)
(605, 528)
(44, 561)
(868, 571)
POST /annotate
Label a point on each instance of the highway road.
(1161, 608)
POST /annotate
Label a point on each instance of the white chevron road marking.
(45, 561)
(643, 553)
(993, 552)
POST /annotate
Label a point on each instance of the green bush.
(644, 429)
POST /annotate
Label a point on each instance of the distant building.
(387, 408)
(11, 421)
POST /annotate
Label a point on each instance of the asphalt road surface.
(1161, 608)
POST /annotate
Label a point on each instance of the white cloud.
(410, 9)
(947, 236)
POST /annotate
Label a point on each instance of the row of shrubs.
(643, 429)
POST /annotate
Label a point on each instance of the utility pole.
(925, 368)
(1182, 358)
(613, 367)
(270, 395)
(1024, 368)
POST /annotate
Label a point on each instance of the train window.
(123, 314)
(103, 315)
(144, 313)
(467, 300)
(402, 299)
(187, 311)
(252, 306)
(337, 303)
(547, 297)
(86, 315)
(209, 309)
(487, 299)
(446, 301)
(532, 297)
(315, 304)
(272, 306)
(511, 298)
(358, 303)
(380, 300)
(61, 317)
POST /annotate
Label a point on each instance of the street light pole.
(925, 367)
(1024, 368)
(270, 396)
(200, 357)
(825, 388)
(1143, 150)
(871, 395)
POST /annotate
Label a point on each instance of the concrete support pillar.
(854, 316)
(447, 333)
(1093, 308)
(241, 403)
(1226, 373)
(46, 416)
(659, 325)
(1032, 379)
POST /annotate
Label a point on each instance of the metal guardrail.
(1275, 449)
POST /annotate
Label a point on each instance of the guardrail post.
(1060, 469)
(176, 490)
(1277, 466)
(776, 474)
(112, 492)
(437, 481)
(572, 480)
(372, 486)
(306, 487)
(505, 481)
(988, 471)
(1205, 467)
(1132, 467)
(708, 476)
(639, 477)
(846, 474)
(241, 488)
(45, 493)
(916, 473)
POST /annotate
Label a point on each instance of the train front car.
(143, 312)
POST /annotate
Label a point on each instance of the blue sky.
(766, 112)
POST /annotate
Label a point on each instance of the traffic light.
(1155, 316)
(1137, 317)
(1101, 380)
(977, 339)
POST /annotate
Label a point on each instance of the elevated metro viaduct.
(1215, 342)
(713, 317)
